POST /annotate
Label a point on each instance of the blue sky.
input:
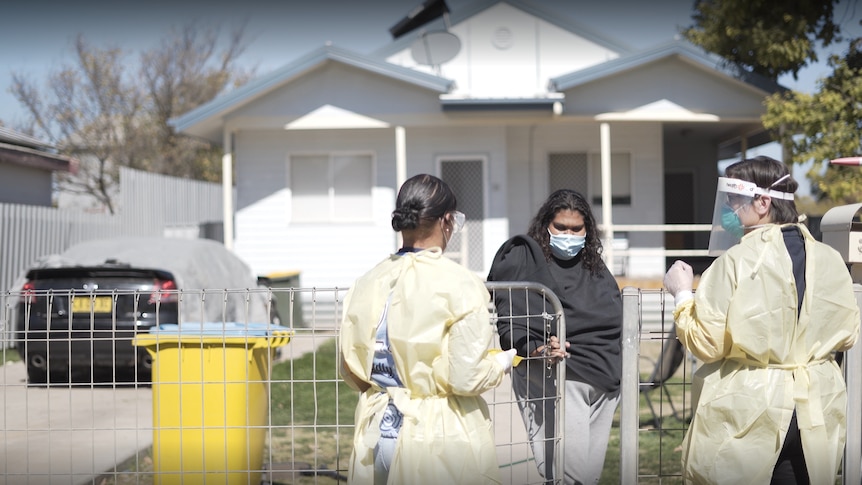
(37, 35)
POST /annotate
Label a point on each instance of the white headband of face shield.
(750, 189)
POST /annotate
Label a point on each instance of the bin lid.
(225, 329)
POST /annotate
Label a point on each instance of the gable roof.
(275, 79)
(527, 6)
(28, 151)
(680, 48)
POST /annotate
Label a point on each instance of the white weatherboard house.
(507, 105)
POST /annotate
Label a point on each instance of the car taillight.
(164, 291)
(28, 293)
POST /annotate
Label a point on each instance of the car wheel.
(35, 375)
(145, 367)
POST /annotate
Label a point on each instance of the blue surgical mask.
(730, 221)
(566, 246)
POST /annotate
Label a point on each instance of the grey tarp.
(215, 285)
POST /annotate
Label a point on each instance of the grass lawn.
(305, 390)
(9, 355)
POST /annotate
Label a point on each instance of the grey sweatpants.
(588, 420)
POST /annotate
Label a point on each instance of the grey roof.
(279, 77)
(532, 8)
(674, 48)
(25, 150)
(13, 137)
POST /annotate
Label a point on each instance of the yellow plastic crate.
(210, 400)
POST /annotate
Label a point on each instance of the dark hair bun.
(406, 216)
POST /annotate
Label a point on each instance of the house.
(504, 100)
(27, 167)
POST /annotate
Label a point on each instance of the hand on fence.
(552, 350)
(678, 281)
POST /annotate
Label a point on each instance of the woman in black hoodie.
(562, 251)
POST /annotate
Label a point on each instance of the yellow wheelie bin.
(210, 400)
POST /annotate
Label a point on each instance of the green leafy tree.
(825, 125)
(768, 37)
(94, 108)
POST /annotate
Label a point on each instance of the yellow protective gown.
(761, 363)
(440, 333)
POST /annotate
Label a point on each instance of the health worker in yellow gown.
(415, 341)
(767, 319)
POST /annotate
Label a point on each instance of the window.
(571, 171)
(331, 188)
(621, 178)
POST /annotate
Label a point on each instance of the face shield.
(732, 197)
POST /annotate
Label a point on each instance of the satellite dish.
(435, 48)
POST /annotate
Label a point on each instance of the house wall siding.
(672, 79)
(516, 170)
(506, 52)
(326, 254)
(24, 185)
(527, 173)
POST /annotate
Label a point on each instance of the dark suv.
(84, 318)
(78, 311)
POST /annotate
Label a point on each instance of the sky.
(36, 36)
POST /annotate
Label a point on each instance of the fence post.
(629, 398)
(852, 473)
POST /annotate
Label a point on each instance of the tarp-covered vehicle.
(79, 310)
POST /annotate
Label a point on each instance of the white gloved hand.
(505, 359)
(678, 281)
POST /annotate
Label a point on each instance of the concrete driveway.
(68, 435)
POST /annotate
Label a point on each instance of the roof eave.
(550, 104)
(267, 83)
(676, 48)
(29, 157)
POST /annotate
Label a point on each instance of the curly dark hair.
(764, 171)
(563, 199)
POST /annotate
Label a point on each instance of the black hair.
(422, 200)
(764, 171)
(561, 200)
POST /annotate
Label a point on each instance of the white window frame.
(332, 216)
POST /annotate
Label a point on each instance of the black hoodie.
(592, 306)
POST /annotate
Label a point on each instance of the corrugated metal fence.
(150, 205)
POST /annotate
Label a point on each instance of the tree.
(768, 37)
(184, 72)
(774, 37)
(825, 125)
(88, 112)
(96, 110)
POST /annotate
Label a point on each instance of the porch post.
(607, 223)
(400, 167)
(227, 190)
(400, 157)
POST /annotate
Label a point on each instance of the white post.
(400, 167)
(400, 157)
(227, 190)
(607, 223)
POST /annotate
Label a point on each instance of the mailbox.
(842, 230)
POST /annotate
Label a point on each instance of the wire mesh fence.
(242, 401)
